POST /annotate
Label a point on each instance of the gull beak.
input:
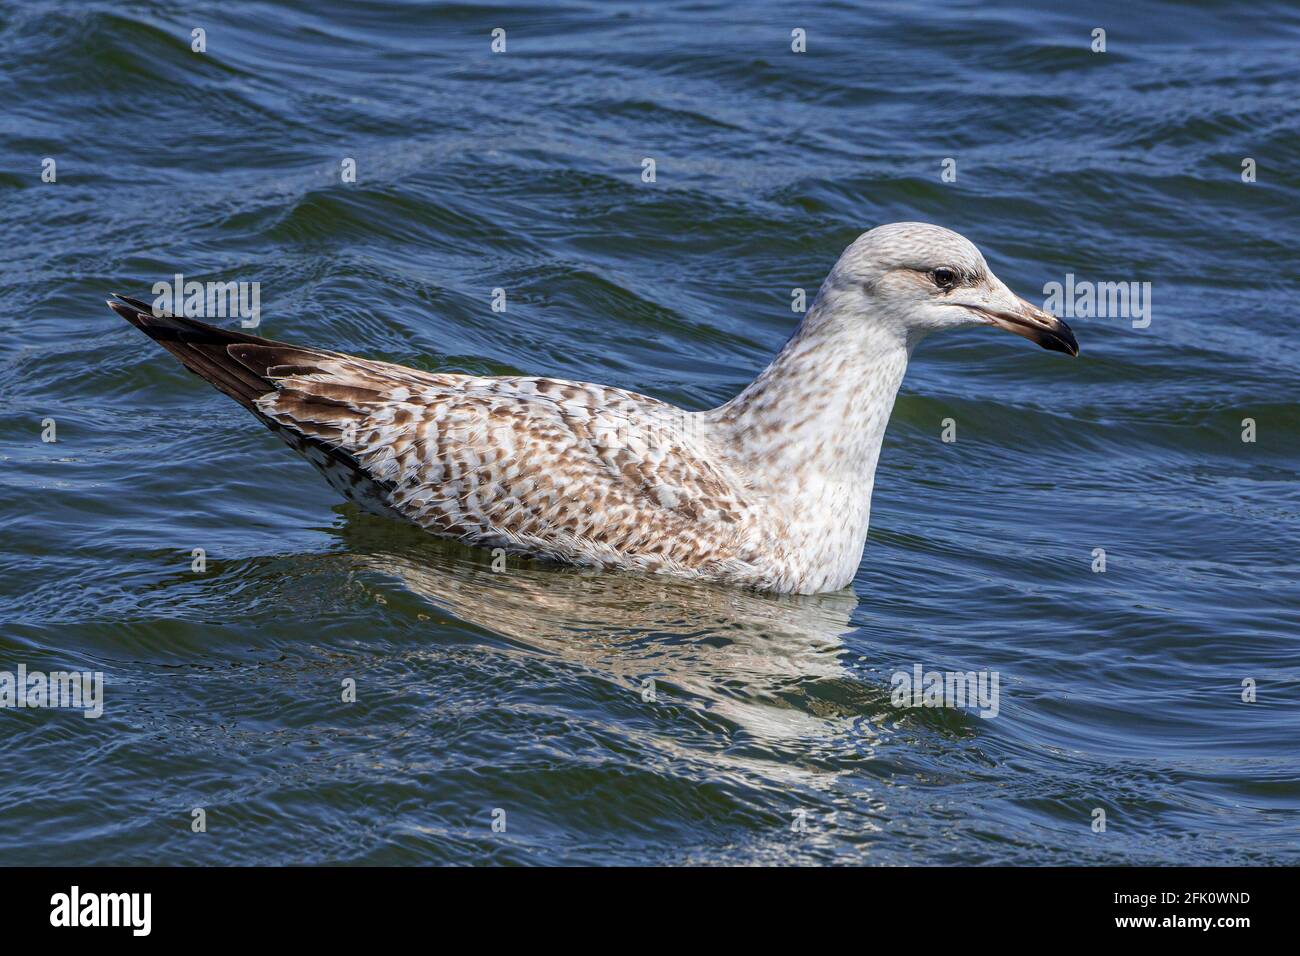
(1025, 318)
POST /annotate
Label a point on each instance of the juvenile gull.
(771, 490)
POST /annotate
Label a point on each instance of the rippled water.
(522, 691)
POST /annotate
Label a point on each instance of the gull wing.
(554, 469)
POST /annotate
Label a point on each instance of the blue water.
(523, 691)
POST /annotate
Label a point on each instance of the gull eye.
(944, 278)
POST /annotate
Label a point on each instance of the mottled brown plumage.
(771, 490)
(549, 468)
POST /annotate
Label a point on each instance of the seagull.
(770, 491)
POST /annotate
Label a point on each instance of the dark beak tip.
(1064, 343)
(1059, 337)
(1067, 346)
(1071, 343)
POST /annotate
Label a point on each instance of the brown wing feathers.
(522, 463)
(247, 367)
(201, 348)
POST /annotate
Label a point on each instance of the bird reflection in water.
(771, 665)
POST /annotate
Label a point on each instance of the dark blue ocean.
(1163, 691)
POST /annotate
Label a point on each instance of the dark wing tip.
(129, 312)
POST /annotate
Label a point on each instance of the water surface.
(524, 690)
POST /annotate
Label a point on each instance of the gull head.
(917, 278)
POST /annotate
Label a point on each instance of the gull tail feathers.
(201, 348)
(295, 391)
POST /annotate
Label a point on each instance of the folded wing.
(554, 469)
